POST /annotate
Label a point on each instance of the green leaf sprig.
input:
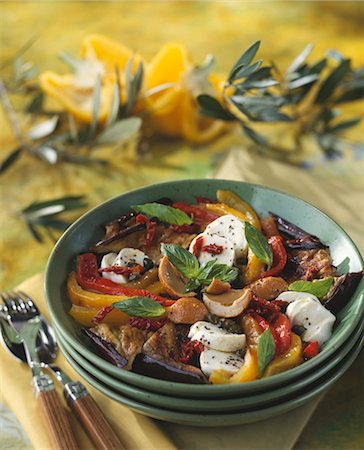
(319, 288)
(45, 214)
(266, 350)
(258, 244)
(187, 263)
(165, 213)
(140, 307)
(306, 94)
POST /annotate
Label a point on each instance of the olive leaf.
(332, 81)
(96, 106)
(10, 160)
(120, 131)
(212, 108)
(244, 60)
(43, 129)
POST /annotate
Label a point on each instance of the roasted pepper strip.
(235, 202)
(292, 358)
(279, 256)
(85, 315)
(253, 269)
(200, 215)
(88, 277)
(311, 350)
(222, 209)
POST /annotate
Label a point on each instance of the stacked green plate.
(208, 404)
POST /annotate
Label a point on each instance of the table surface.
(221, 28)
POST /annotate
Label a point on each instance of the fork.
(26, 321)
(75, 393)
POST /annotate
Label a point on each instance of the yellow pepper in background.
(233, 201)
(292, 358)
(99, 58)
(174, 111)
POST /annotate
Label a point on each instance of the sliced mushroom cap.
(217, 287)
(230, 304)
(172, 280)
(187, 310)
(269, 287)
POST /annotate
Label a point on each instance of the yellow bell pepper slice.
(253, 269)
(83, 298)
(248, 371)
(233, 201)
(292, 358)
(222, 209)
(84, 316)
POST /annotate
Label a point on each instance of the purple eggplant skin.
(106, 349)
(124, 232)
(167, 370)
(295, 237)
(342, 291)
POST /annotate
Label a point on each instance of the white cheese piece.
(122, 259)
(231, 228)
(213, 360)
(292, 296)
(227, 255)
(216, 338)
(314, 317)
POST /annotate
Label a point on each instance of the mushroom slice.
(217, 287)
(230, 304)
(172, 280)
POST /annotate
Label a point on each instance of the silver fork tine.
(20, 304)
(8, 302)
(29, 304)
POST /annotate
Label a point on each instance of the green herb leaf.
(254, 136)
(96, 106)
(266, 350)
(258, 244)
(165, 213)
(140, 307)
(213, 269)
(300, 59)
(212, 108)
(184, 261)
(317, 287)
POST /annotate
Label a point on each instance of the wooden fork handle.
(54, 414)
(91, 417)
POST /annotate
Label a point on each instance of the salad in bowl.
(207, 292)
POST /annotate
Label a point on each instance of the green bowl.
(87, 230)
(222, 419)
(245, 402)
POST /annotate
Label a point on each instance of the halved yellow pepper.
(85, 315)
(174, 111)
(292, 358)
(233, 201)
(83, 298)
(75, 92)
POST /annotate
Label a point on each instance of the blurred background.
(33, 34)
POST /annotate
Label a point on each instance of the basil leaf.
(184, 261)
(258, 244)
(266, 350)
(165, 213)
(192, 285)
(140, 307)
(317, 287)
(212, 269)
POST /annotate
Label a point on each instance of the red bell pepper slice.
(311, 350)
(197, 248)
(282, 327)
(100, 316)
(279, 256)
(88, 278)
(151, 229)
(141, 218)
(200, 216)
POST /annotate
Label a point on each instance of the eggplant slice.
(342, 291)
